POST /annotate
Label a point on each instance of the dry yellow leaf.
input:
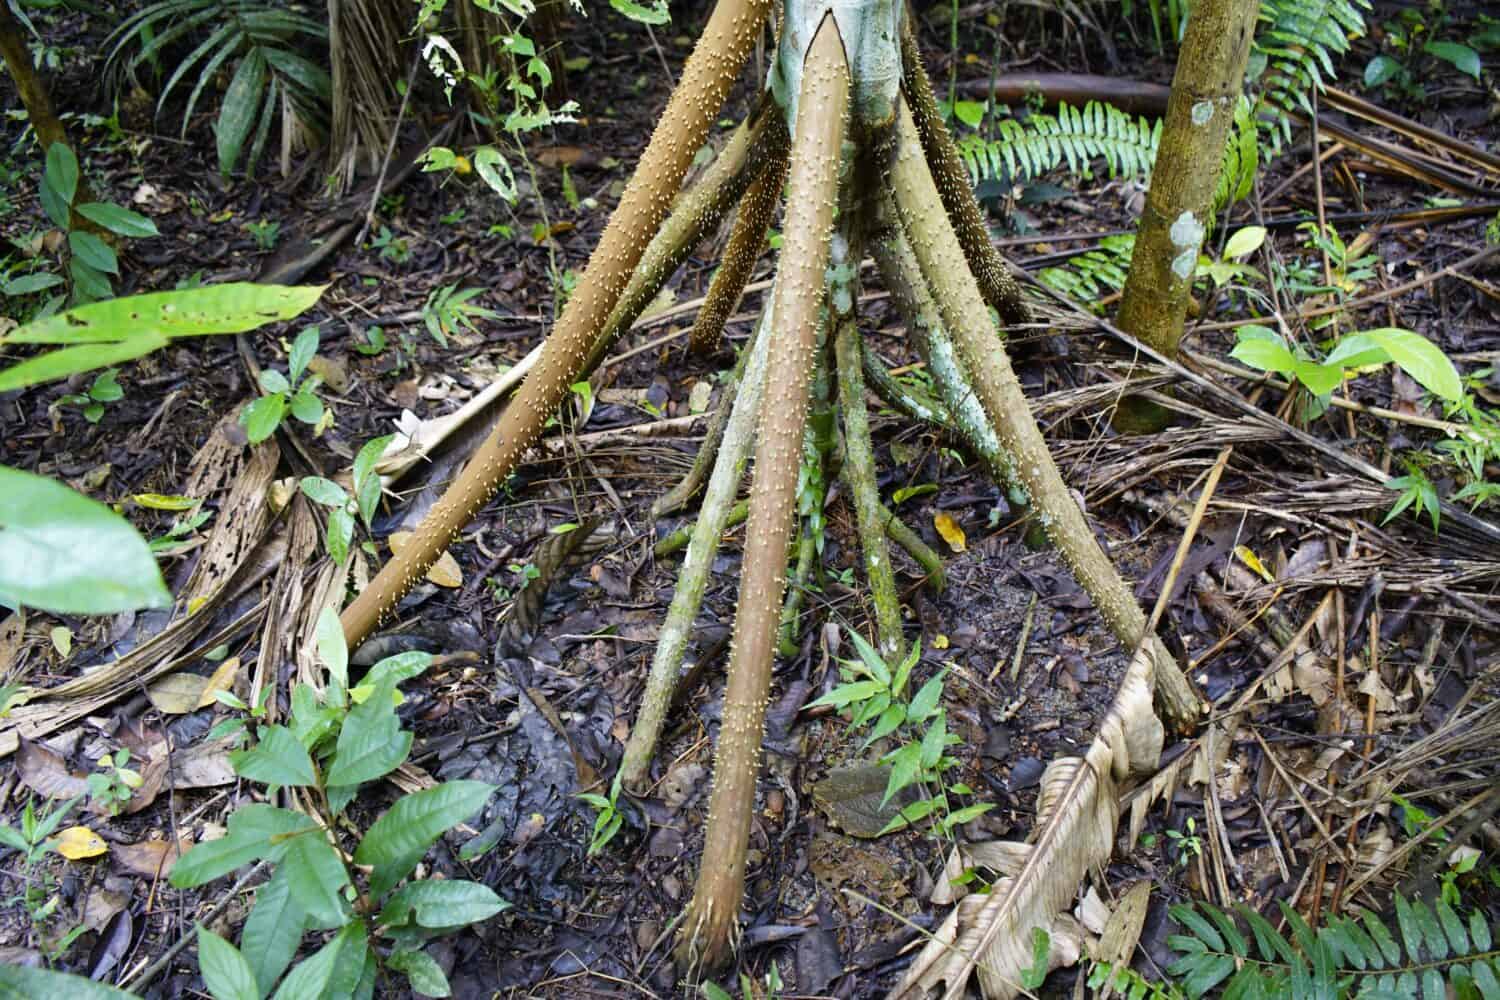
(222, 679)
(79, 842)
(940, 641)
(1251, 560)
(950, 530)
(444, 572)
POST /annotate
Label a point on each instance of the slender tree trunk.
(1200, 114)
(38, 104)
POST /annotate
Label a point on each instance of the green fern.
(1129, 984)
(1092, 275)
(1073, 136)
(1432, 950)
(1294, 51)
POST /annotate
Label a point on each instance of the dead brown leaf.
(44, 771)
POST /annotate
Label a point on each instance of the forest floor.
(1351, 662)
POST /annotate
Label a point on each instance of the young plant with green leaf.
(334, 742)
(91, 261)
(296, 391)
(38, 898)
(104, 389)
(342, 508)
(877, 697)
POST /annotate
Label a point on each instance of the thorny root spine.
(747, 242)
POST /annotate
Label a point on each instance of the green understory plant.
(1425, 953)
(877, 696)
(91, 261)
(296, 391)
(334, 742)
(113, 783)
(38, 897)
(449, 309)
(342, 508)
(104, 389)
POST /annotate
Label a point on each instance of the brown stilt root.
(963, 311)
(710, 71)
(746, 243)
(706, 937)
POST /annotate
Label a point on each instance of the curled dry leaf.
(79, 842)
(150, 858)
(44, 771)
(180, 693)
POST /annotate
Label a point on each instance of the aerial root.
(746, 243)
(713, 517)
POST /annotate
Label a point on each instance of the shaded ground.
(1291, 785)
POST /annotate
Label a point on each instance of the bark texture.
(1200, 113)
(711, 70)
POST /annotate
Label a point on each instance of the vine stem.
(707, 936)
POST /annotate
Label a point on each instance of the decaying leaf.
(44, 771)
(180, 693)
(1077, 812)
(79, 842)
(151, 858)
(952, 533)
(1123, 928)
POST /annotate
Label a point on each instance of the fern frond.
(1431, 950)
(1294, 51)
(1093, 274)
(1075, 136)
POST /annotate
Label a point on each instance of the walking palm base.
(865, 138)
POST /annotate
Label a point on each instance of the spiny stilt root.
(710, 71)
(706, 937)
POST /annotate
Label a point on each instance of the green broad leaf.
(904, 668)
(25, 983)
(656, 14)
(277, 759)
(371, 742)
(905, 493)
(307, 407)
(398, 839)
(30, 284)
(271, 380)
(303, 349)
(118, 220)
(225, 971)
(1264, 355)
(890, 720)
(1041, 950)
(316, 877)
(1319, 379)
(846, 694)
(272, 931)
(332, 649)
(435, 903)
(314, 976)
(495, 172)
(366, 481)
(1245, 241)
(971, 113)
(61, 175)
(239, 109)
(89, 283)
(924, 702)
(1380, 70)
(65, 553)
(264, 414)
(1208, 974)
(119, 330)
(324, 491)
(1419, 357)
(398, 669)
(906, 764)
(93, 251)
(340, 533)
(1457, 55)
(934, 740)
(421, 971)
(256, 831)
(967, 814)
(873, 662)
